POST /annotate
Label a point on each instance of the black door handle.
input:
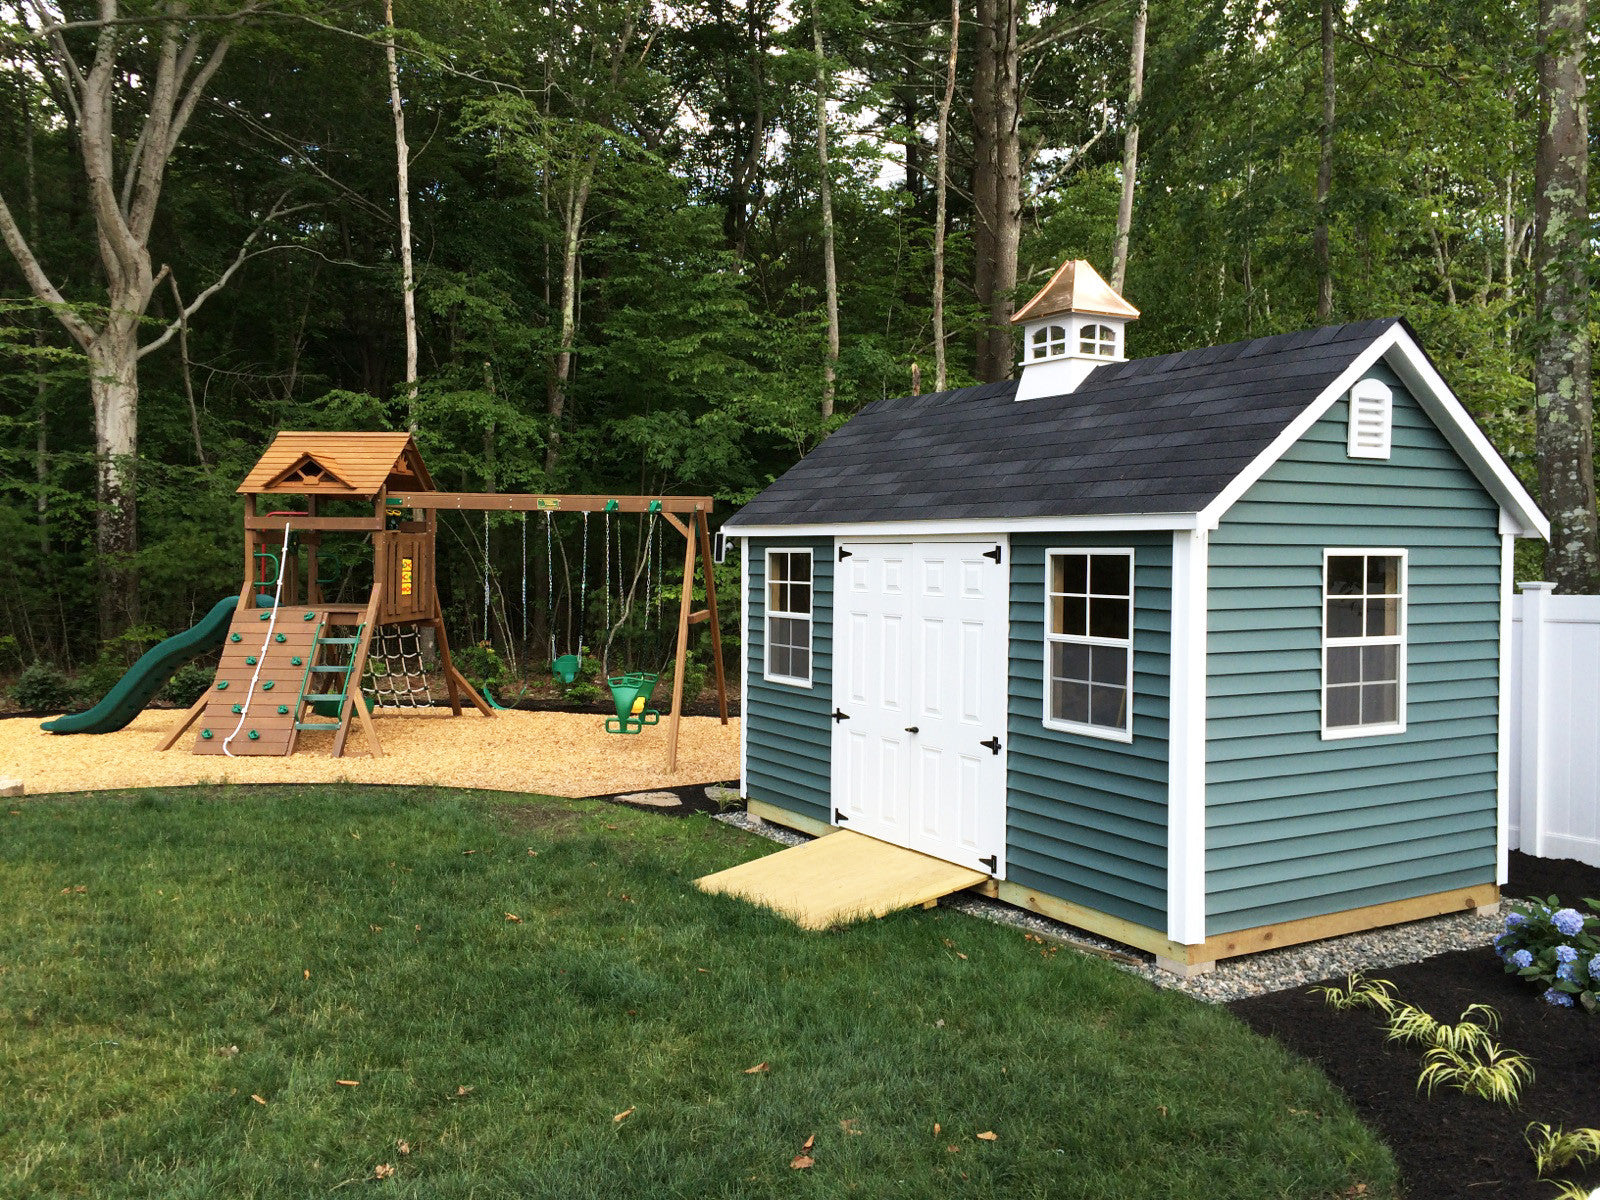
(911, 729)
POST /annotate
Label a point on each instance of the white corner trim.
(966, 530)
(1186, 744)
(744, 671)
(1502, 758)
(1396, 347)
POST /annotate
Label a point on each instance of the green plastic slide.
(147, 676)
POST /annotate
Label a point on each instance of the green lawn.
(144, 935)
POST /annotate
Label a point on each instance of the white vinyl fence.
(1555, 724)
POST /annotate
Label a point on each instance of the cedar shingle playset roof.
(354, 465)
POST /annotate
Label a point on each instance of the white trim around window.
(786, 653)
(1369, 662)
(1074, 609)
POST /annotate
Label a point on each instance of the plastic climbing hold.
(238, 708)
(280, 639)
(283, 710)
(267, 686)
(249, 660)
(222, 685)
(266, 616)
(233, 637)
(254, 736)
(296, 661)
(205, 735)
(310, 616)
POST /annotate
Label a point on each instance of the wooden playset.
(295, 659)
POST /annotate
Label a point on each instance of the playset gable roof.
(354, 465)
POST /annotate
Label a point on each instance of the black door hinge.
(992, 862)
(844, 554)
(993, 745)
(994, 554)
(839, 816)
(839, 714)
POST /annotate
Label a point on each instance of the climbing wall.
(269, 724)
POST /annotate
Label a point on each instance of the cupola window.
(1098, 340)
(1050, 341)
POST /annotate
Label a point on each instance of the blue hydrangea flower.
(1567, 971)
(1522, 958)
(1559, 999)
(1513, 919)
(1568, 921)
(1566, 954)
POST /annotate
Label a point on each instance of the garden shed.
(1204, 652)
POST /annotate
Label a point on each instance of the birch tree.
(1130, 146)
(402, 159)
(114, 75)
(1321, 241)
(941, 199)
(1562, 234)
(830, 275)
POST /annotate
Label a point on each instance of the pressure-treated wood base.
(1192, 960)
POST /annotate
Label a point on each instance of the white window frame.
(1104, 732)
(1097, 339)
(1370, 392)
(808, 617)
(1048, 341)
(1344, 732)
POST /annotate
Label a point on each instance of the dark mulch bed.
(692, 798)
(1450, 1146)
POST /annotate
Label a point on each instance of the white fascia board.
(744, 673)
(1396, 347)
(1186, 740)
(978, 527)
(1502, 780)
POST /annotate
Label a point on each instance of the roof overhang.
(1399, 350)
(973, 526)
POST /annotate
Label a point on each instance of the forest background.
(601, 246)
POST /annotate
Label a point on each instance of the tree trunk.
(1320, 237)
(114, 391)
(1130, 147)
(561, 372)
(1564, 436)
(997, 183)
(41, 390)
(402, 156)
(830, 277)
(941, 201)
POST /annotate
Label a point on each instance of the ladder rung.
(316, 724)
(344, 668)
(338, 641)
(314, 696)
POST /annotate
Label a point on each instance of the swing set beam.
(697, 539)
(528, 502)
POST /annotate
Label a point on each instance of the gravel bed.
(1232, 978)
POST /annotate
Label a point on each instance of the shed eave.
(969, 527)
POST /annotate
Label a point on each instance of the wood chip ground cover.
(342, 933)
(549, 753)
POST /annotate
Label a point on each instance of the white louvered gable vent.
(1371, 405)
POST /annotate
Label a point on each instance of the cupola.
(1072, 326)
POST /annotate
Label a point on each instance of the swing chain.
(550, 579)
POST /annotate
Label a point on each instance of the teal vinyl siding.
(1087, 817)
(1297, 826)
(788, 737)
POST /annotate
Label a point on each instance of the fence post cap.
(1534, 586)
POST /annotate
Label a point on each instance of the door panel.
(924, 684)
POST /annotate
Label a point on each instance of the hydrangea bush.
(1556, 949)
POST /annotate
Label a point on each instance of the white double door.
(920, 675)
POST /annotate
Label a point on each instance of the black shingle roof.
(1152, 435)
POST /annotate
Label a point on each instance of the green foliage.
(1483, 1069)
(1554, 1147)
(481, 664)
(1359, 992)
(695, 675)
(44, 688)
(1411, 1025)
(1555, 949)
(188, 683)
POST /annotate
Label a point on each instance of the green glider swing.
(565, 667)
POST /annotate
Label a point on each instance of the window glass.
(1088, 634)
(788, 649)
(1363, 641)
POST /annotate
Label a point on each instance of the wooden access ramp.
(840, 878)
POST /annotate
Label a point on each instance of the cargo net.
(402, 681)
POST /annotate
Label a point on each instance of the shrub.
(188, 684)
(1359, 992)
(1554, 948)
(42, 688)
(1483, 1069)
(481, 665)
